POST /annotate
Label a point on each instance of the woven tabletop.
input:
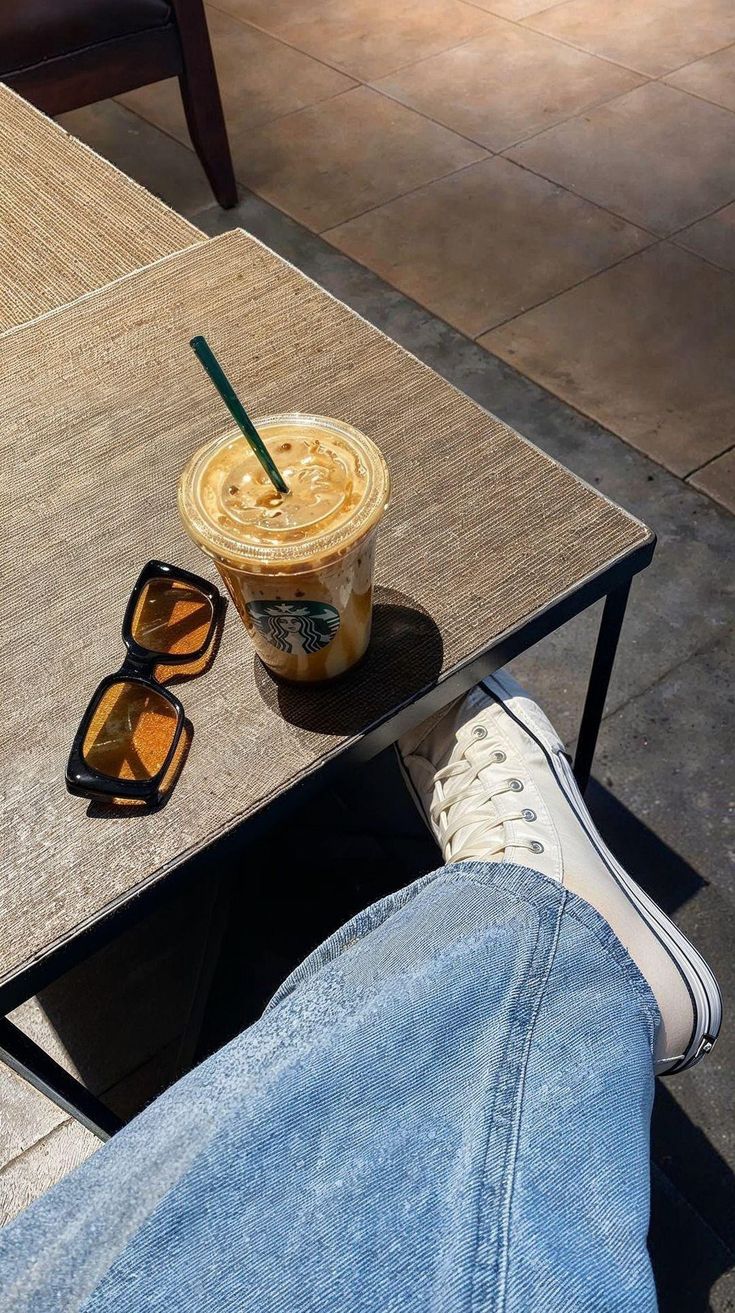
(69, 221)
(103, 405)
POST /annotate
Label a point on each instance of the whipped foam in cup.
(298, 567)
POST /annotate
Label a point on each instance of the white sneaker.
(493, 780)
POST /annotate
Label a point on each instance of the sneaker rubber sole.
(699, 980)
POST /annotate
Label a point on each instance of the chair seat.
(34, 31)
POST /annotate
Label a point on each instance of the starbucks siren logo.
(300, 628)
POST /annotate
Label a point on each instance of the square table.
(487, 546)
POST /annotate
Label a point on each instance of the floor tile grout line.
(518, 21)
(596, 273)
(529, 378)
(490, 152)
(253, 127)
(411, 109)
(605, 425)
(248, 23)
(659, 237)
(324, 232)
(317, 232)
(325, 100)
(662, 77)
(652, 77)
(688, 250)
(67, 1117)
(656, 237)
(401, 68)
(371, 83)
(42, 1139)
(339, 68)
(709, 215)
(717, 641)
(698, 468)
(525, 23)
(472, 141)
(367, 86)
(587, 109)
(478, 36)
(694, 95)
(500, 150)
(576, 409)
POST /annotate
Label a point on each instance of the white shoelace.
(491, 839)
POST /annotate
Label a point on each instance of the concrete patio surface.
(663, 777)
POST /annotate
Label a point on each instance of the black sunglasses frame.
(83, 780)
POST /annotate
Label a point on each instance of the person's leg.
(445, 1108)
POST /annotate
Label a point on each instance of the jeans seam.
(622, 959)
(520, 1088)
(519, 1016)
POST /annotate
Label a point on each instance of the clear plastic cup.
(299, 568)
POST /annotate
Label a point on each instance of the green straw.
(205, 355)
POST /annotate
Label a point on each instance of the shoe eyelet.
(498, 756)
(536, 847)
(528, 815)
(479, 732)
(515, 786)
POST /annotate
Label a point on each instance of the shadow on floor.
(657, 868)
(692, 1214)
(348, 846)
(692, 1235)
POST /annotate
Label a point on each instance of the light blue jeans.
(444, 1109)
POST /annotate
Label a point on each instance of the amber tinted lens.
(172, 617)
(130, 733)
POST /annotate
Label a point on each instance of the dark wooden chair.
(62, 54)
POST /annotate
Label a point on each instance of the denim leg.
(444, 1108)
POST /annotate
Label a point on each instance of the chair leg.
(202, 104)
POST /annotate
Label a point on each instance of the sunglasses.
(130, 737)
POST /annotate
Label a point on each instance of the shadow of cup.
(403, 660)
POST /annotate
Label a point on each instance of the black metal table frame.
(29, 1060)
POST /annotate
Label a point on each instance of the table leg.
(26, 1059)
(219, 913)
(602, 664)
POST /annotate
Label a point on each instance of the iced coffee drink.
(298, 566)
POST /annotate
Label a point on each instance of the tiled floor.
(530, 172)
